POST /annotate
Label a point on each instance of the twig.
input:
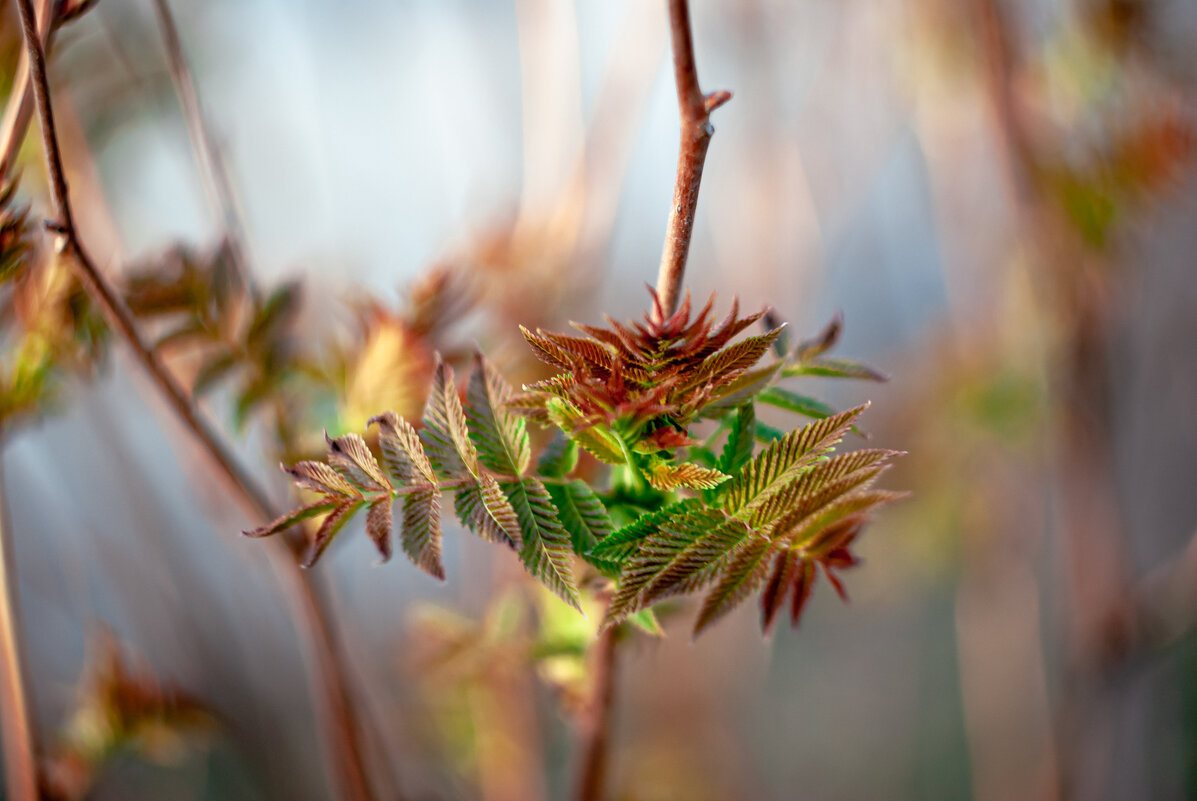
(334, 688)
(212, 168)
(19, 109)
(20, 750)
(592, 776)
(695, 110)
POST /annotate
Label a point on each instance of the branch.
(695, 110)
(20, 748)
(301, 593)
(213, 171)
(597, 732)
(19, 109)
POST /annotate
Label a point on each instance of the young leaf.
(667, 476)
(470, 509)
(378, 526)
(681, 547)
(802, 524)
(445, 436)
(402, 452)
(740, 440)
(620, 545)
(500, 510)
(546, 551)
(320, 477)
(332, 524)
(350, 456)
(582, 514)
(835, 368)
(291, 518)
(793, 402)
(500, 437)
(594, 438)
(740, 578)
(824, 481)
(421, 538)
(559, 457)
(771, 469)
(787, 566)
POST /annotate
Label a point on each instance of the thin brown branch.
(696, 130)
(301, 593)
(212, 168)
(19, 110)
(596, 734)
(20, 744)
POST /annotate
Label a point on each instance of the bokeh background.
(999, 197)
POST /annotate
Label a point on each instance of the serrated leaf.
(445, 435)
(743, 389)
(546, 551)
(582, 514)
(421, 537)
(666, 476)
(787, 566)
(680, 548)
(285, 522)
(402, 452)
(726, 365)
(596, 439)
(742, 576)
(804, 582)
(797, 530)
(500, 437)
(825, 480)
(624, 542)
(328, 530)
(771, 469)
(378, 526)
(468, 505)
(500, 510)
(740, 441)
(320, 477)
(559, 458)
(350, 456)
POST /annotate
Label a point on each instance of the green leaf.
(743, 575)
(771, 469)
(501, 438)
(835, 368)
(473, 513)
(559, 458)
(682, 547)
(582, 514)
(826, 480)
(291, 518)
(740, 441)
(624, 542)
(646, 621)
(793, 402)
(546, 551)
(766, 433)
(421, 538)
(596, 438)
(446, 438)
(500, 510)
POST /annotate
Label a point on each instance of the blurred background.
(998, 195)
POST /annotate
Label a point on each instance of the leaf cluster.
(769, 511)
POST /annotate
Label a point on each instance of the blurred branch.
(301, 593)
(695, 110)
(19, 109)
(20, 750)
(213, 170)
(597, 730)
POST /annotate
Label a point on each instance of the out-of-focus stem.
(20, 749)
(212, 169)
(19, 109)
(596, 733)
(695, 111)
(343, 731)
